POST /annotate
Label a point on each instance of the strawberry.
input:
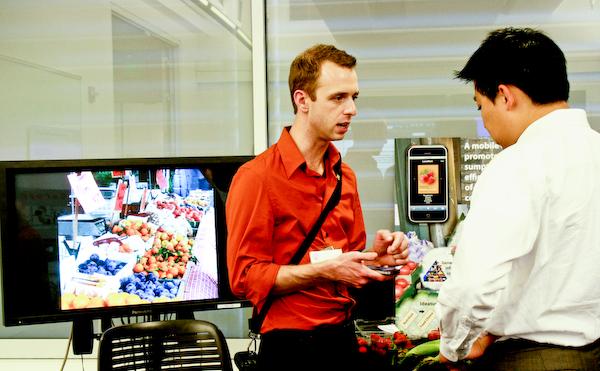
(381, 344)
(433, 334)
(388, 344)
(375, 338)
(400, 339)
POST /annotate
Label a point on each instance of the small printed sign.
(86, 190)
(121, 188)
(161, 180)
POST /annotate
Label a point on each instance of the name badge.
(327, 253)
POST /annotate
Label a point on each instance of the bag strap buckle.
(253, 343)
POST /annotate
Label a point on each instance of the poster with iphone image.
(427, 183)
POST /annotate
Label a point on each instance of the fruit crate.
(365, 328)
(378, 349)
(99, 282)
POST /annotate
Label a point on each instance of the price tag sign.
(161, 180)
(121, 188)
(86, 190)
(132, 183)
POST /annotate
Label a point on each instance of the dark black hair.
(523, 57)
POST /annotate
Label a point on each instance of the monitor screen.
(104, 238)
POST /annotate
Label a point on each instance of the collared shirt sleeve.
(501, 226)
(250, 227)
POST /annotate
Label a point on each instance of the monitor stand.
(83, 336)
(184, 314)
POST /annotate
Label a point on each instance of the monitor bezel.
(8, 172)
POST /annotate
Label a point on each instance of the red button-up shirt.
(272, 204)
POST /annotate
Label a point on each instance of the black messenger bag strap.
(255, 323)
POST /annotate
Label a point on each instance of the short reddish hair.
(306, 68)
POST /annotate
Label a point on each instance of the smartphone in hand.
(386, 270)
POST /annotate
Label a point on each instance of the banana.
(413, 357)
(429, 348)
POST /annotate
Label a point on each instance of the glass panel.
(125, 79)
(407, 51)
(135, 78)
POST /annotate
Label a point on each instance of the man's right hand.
(351, 269)
(348, 268)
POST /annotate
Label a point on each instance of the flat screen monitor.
(106, 238)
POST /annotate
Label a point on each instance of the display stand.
(83, 336)
(436, 233)
(105, 323)
(185, 314)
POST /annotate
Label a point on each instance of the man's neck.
(313, 150)
(542, 110)
(533, 113)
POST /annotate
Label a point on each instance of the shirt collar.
(292, 157)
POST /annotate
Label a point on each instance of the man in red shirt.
(272, 204)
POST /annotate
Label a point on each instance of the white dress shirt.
(527, 264)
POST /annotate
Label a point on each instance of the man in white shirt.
(525, 287)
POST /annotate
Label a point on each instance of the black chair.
(164, 345)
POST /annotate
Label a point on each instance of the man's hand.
(477, 350)
(349, 269)
(391, 247)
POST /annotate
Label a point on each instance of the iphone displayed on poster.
(427, 184)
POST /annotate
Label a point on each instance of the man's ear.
(300, 100)
(507, 95)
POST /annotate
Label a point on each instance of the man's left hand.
(477, 350)
(391, 247)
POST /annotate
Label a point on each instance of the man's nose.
(350, 108)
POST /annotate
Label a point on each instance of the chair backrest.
(163, 345)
